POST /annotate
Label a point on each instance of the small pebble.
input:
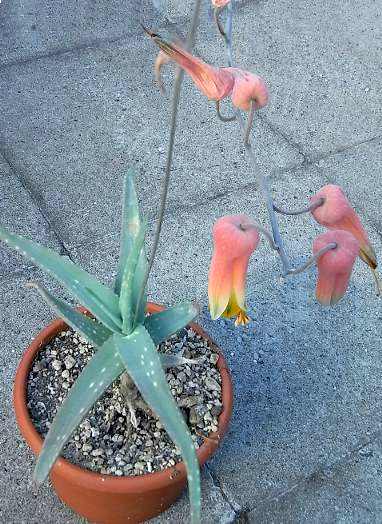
(56, 364)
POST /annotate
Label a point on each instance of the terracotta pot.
(107, 499)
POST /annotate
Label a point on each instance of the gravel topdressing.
(106, 441)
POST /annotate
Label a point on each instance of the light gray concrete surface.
(79, 105)
(33, 29)
(111, 117)
(345, 493)
(19, 212)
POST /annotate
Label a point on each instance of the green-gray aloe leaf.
(142, 362)
(94, 332)
(169, 321)
(130, 225)
(127, 304)
(93, 295)
(104, 367)
(130, 228)
(139, 294)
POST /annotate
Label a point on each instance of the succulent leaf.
(93, 295)
(169, 321)
(127, 303)
(139, 279)
(130, 225)
(104, 367)
(94, 332)
(140, 357)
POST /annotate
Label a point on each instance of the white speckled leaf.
(104, 367)
(93, 295)
(130, 228)
(127, 298)
(142, 362)
(94, 332)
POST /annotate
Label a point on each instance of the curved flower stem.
(306, 209)
(249, 123)
(262, 181)
(166, 180)
(221, 117)
(263, 184)
(218, 22)
(261, 229)
(312, 260)
(378, 282)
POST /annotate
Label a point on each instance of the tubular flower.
(247, 88)
(161, 60)
(335, 266)
(215, 83)
(337, 213)
(235, 239)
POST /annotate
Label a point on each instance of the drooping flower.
(337, 213)
(215, 83)
(335, 266)
(235, 239)
(247, 88)
(220, 3)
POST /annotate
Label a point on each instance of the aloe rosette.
(125, 338)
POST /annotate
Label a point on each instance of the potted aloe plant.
(124, 332)
(121, 346)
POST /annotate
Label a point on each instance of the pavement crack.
(277, 131)
(39, 203)
(342, 149)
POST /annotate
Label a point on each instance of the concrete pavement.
(79, 105)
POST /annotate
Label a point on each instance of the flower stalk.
(170, 150)
(261, 179)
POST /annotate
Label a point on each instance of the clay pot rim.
(108, 482)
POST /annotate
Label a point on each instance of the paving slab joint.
(292, 143)
(323, 473)
(238, 513)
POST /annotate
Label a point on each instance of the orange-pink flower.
(247, 88)
(220, 3)
(337, 213)
(335, 266)
(215, 83)
(235, 239)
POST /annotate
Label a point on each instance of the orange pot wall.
(107, 499)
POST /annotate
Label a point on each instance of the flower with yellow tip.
(235, 239)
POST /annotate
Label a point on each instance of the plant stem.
(306, 209)
(166, 180)
(261, 229)
(222, 117)
(218, 22)
(312, 260)
(262, 181)
(249, 123)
